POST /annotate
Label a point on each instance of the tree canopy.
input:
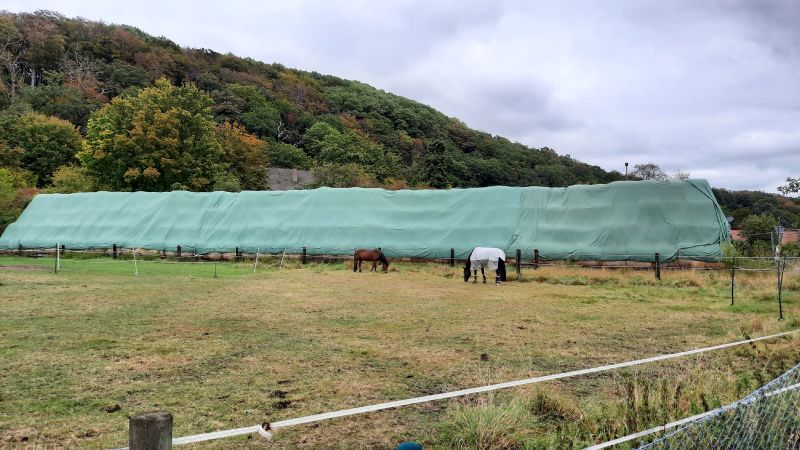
(161, 139)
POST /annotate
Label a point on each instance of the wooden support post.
(19, 250)
(733, 278)
(518, 261)
(452, 257)
(114, 251)
(178, 251)
(150, 431)
(658, 267)
(304, 255)
(535, 259)
(63, 249)
(237, 256)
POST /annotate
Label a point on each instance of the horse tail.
(355, 261)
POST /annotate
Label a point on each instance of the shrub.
(790, 249)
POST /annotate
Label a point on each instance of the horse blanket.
(486, 258)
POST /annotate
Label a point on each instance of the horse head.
(384, 262)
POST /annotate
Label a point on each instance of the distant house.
(287, 179)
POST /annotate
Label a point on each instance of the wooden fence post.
(452, 257)
(19, 250)
(304, 255)
(178, 251)
(518, 260)
(658, 267)
(114, 251)
(150, 431)
(237, 256)
(535, 259)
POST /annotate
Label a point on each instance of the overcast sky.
(709, 87)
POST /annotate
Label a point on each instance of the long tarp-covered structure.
(626, 220)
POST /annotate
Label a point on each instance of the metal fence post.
(150, 431)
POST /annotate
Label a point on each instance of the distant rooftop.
(287, 179)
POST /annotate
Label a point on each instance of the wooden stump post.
(452, 257)
(658, 267)
(150, 431)
(535, 258)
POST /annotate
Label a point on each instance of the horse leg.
(474, 276)
(483, 274)
(355, 264)
(359, 264)
(374, 266)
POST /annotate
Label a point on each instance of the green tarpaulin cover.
(628, 220)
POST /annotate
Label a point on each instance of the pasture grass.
(83, 349)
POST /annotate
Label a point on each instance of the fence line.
(267, 428)
(677, 423)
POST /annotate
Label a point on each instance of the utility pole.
(626, 171)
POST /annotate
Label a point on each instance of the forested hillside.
(68, 69)
(743, 204)
(87, 106)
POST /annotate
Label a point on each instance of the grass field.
(83, 349)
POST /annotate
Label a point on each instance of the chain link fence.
(768, 418)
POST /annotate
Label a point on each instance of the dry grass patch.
(246, 348)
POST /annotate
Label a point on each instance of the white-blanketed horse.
(486, 258)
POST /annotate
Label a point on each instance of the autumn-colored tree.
(12, 49)
(15, 193)
(246, 155)
(70, 179)
(39, 143)
(161, 139)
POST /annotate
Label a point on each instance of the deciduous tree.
(41, 144)
(245, 154)
(161, 139)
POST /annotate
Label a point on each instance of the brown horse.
(369, 255)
